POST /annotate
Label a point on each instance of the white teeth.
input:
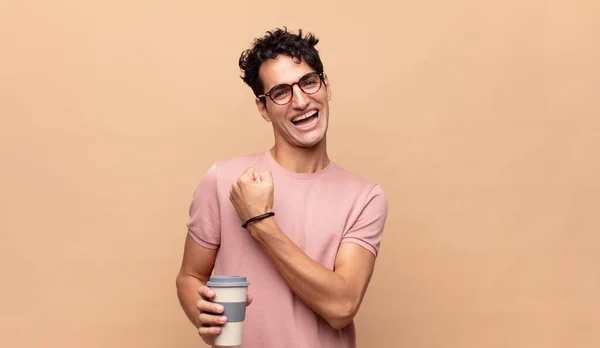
(305, 116)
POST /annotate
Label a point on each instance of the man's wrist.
(257, 218)
(260, 227)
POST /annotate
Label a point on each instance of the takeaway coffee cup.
(230, 292)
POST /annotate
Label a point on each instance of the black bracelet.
(256, 218)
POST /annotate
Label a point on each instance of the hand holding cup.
(214, 306)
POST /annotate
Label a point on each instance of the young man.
(309, 265)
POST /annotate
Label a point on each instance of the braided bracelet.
(256, 218)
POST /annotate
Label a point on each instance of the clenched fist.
(252, 194)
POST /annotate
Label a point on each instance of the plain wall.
(480, 120)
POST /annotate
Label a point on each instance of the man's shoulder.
(223, 171)
(355, 179)
(225, 168)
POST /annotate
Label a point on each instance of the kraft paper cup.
(230, 292)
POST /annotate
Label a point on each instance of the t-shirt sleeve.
(204, 213)
(367, 230)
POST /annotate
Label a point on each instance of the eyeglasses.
(283, 93)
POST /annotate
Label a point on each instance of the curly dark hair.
(278, 41)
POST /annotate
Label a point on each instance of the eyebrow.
(284, 84)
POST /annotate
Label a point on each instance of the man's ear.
(262, 108)
(328, 86)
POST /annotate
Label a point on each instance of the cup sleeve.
(367, 229)
(203, 223)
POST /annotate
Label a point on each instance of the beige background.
(480, 121)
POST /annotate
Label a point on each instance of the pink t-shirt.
(317, 211)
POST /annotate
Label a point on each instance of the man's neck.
(301, 160)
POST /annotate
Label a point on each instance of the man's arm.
(334, 295)
(195, 271)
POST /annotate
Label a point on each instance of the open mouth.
(306, 119)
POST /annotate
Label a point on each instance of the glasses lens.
(311, 83)
(281, 94)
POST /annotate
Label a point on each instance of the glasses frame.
(291, 86)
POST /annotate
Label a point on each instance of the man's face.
(289, 121)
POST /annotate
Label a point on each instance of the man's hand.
(252, 194)
(210, 320)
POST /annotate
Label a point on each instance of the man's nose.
(299, 99)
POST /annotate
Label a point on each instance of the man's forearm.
(323, 290)
(187, 292)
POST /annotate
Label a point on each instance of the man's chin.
(310, 143)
